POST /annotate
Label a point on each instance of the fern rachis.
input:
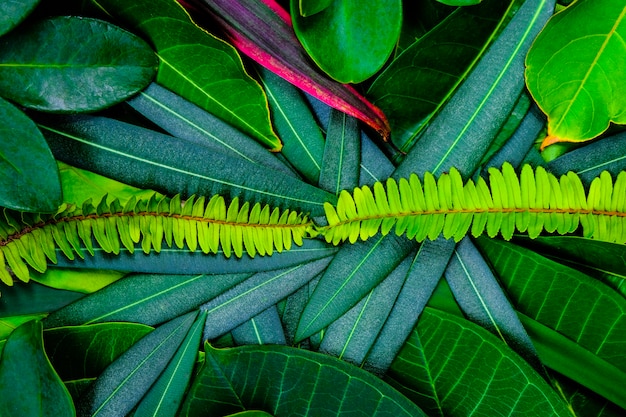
(420, 209)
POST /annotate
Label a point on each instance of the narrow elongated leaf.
(87, 281)
(299, 382)
(14, 12)
(262, 30)
(29, 386)
(112, 65)
(143, 158)
(198, 66)
(303, 143)
(263, 329)
(349, 40)
(140, 298)
(29, 179)
(583, 47)
(34, 298)
(471, 371)
(256, 294)
(123, 383)
(166, 395)
(79, 352)
(420, 81)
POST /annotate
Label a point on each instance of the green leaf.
(350, 40)
(85, 281)
(265, 328)
(29, 386)
(79, 352)
(41, 67)
(310, 7)
(123, 383)
(8, 324)
(288, 381)
(166, 395)
(417, 83)
(459, 2)
(144, 158)
(12, 13)
(198, 66)
(33, 298)
(140, 298)
(468, 371)
(582, 48)
(29, 179)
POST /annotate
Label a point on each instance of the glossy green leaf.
(29, 179)
(285, 381)
(144, 158)
(310, 7)
(350, 40)
(86, 281)
(41, 67)
(468, 371)
(8, 324)
(140, 298)
(79, 352)
(198, 66)
(582, 48)
(29, 386)
(14, 12)
(420, 81)
(166, 395)
(123, 383)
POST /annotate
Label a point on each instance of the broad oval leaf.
(469, 372)
(29, 386)
(29, 179)
(350, 40)
(14, 12)
(286, 381)
(583, 50)
(42, 68)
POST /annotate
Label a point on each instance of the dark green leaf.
(141, 299)
(166, 395)
(33, 298)
(42, 68)
(123, 383)
(198, 66)
(469, 372)
(13, 12)
(29, 386)
(144, 158)
(29, 179)
(79, 352)
(349, 40)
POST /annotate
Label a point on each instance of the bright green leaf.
(310, 7)
(86, 281)
(8, 324)
(459, 2)
(29, 179)
(42, 68)
(576, 70)
(13, 12)
(350, 40)
(29, 386)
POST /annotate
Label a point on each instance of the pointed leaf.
(29, 386)
(14, 12)
(310, 7)
(349, 40)
(583, 47)
(263, 329)
(26, 164)
(43, 56)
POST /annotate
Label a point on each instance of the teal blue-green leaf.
(252, 296)
(350, 40)
(8, 324)
(198, 66)
(13, 12)
(303, 143)
(310, 7)
(141, 299)
(285, 381)
(85, 281)
(183, 119)
(166, 395)
(468, 371)
(42, 68)
(29, 179)
(251, 413)
(421, 80)
(123, 383)
(79, 352)
(265, 328)
(146, 159)
(34, 298)
(29, 386)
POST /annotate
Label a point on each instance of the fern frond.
(530, 203)
(31, 240)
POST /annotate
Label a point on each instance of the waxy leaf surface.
(13, 12)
